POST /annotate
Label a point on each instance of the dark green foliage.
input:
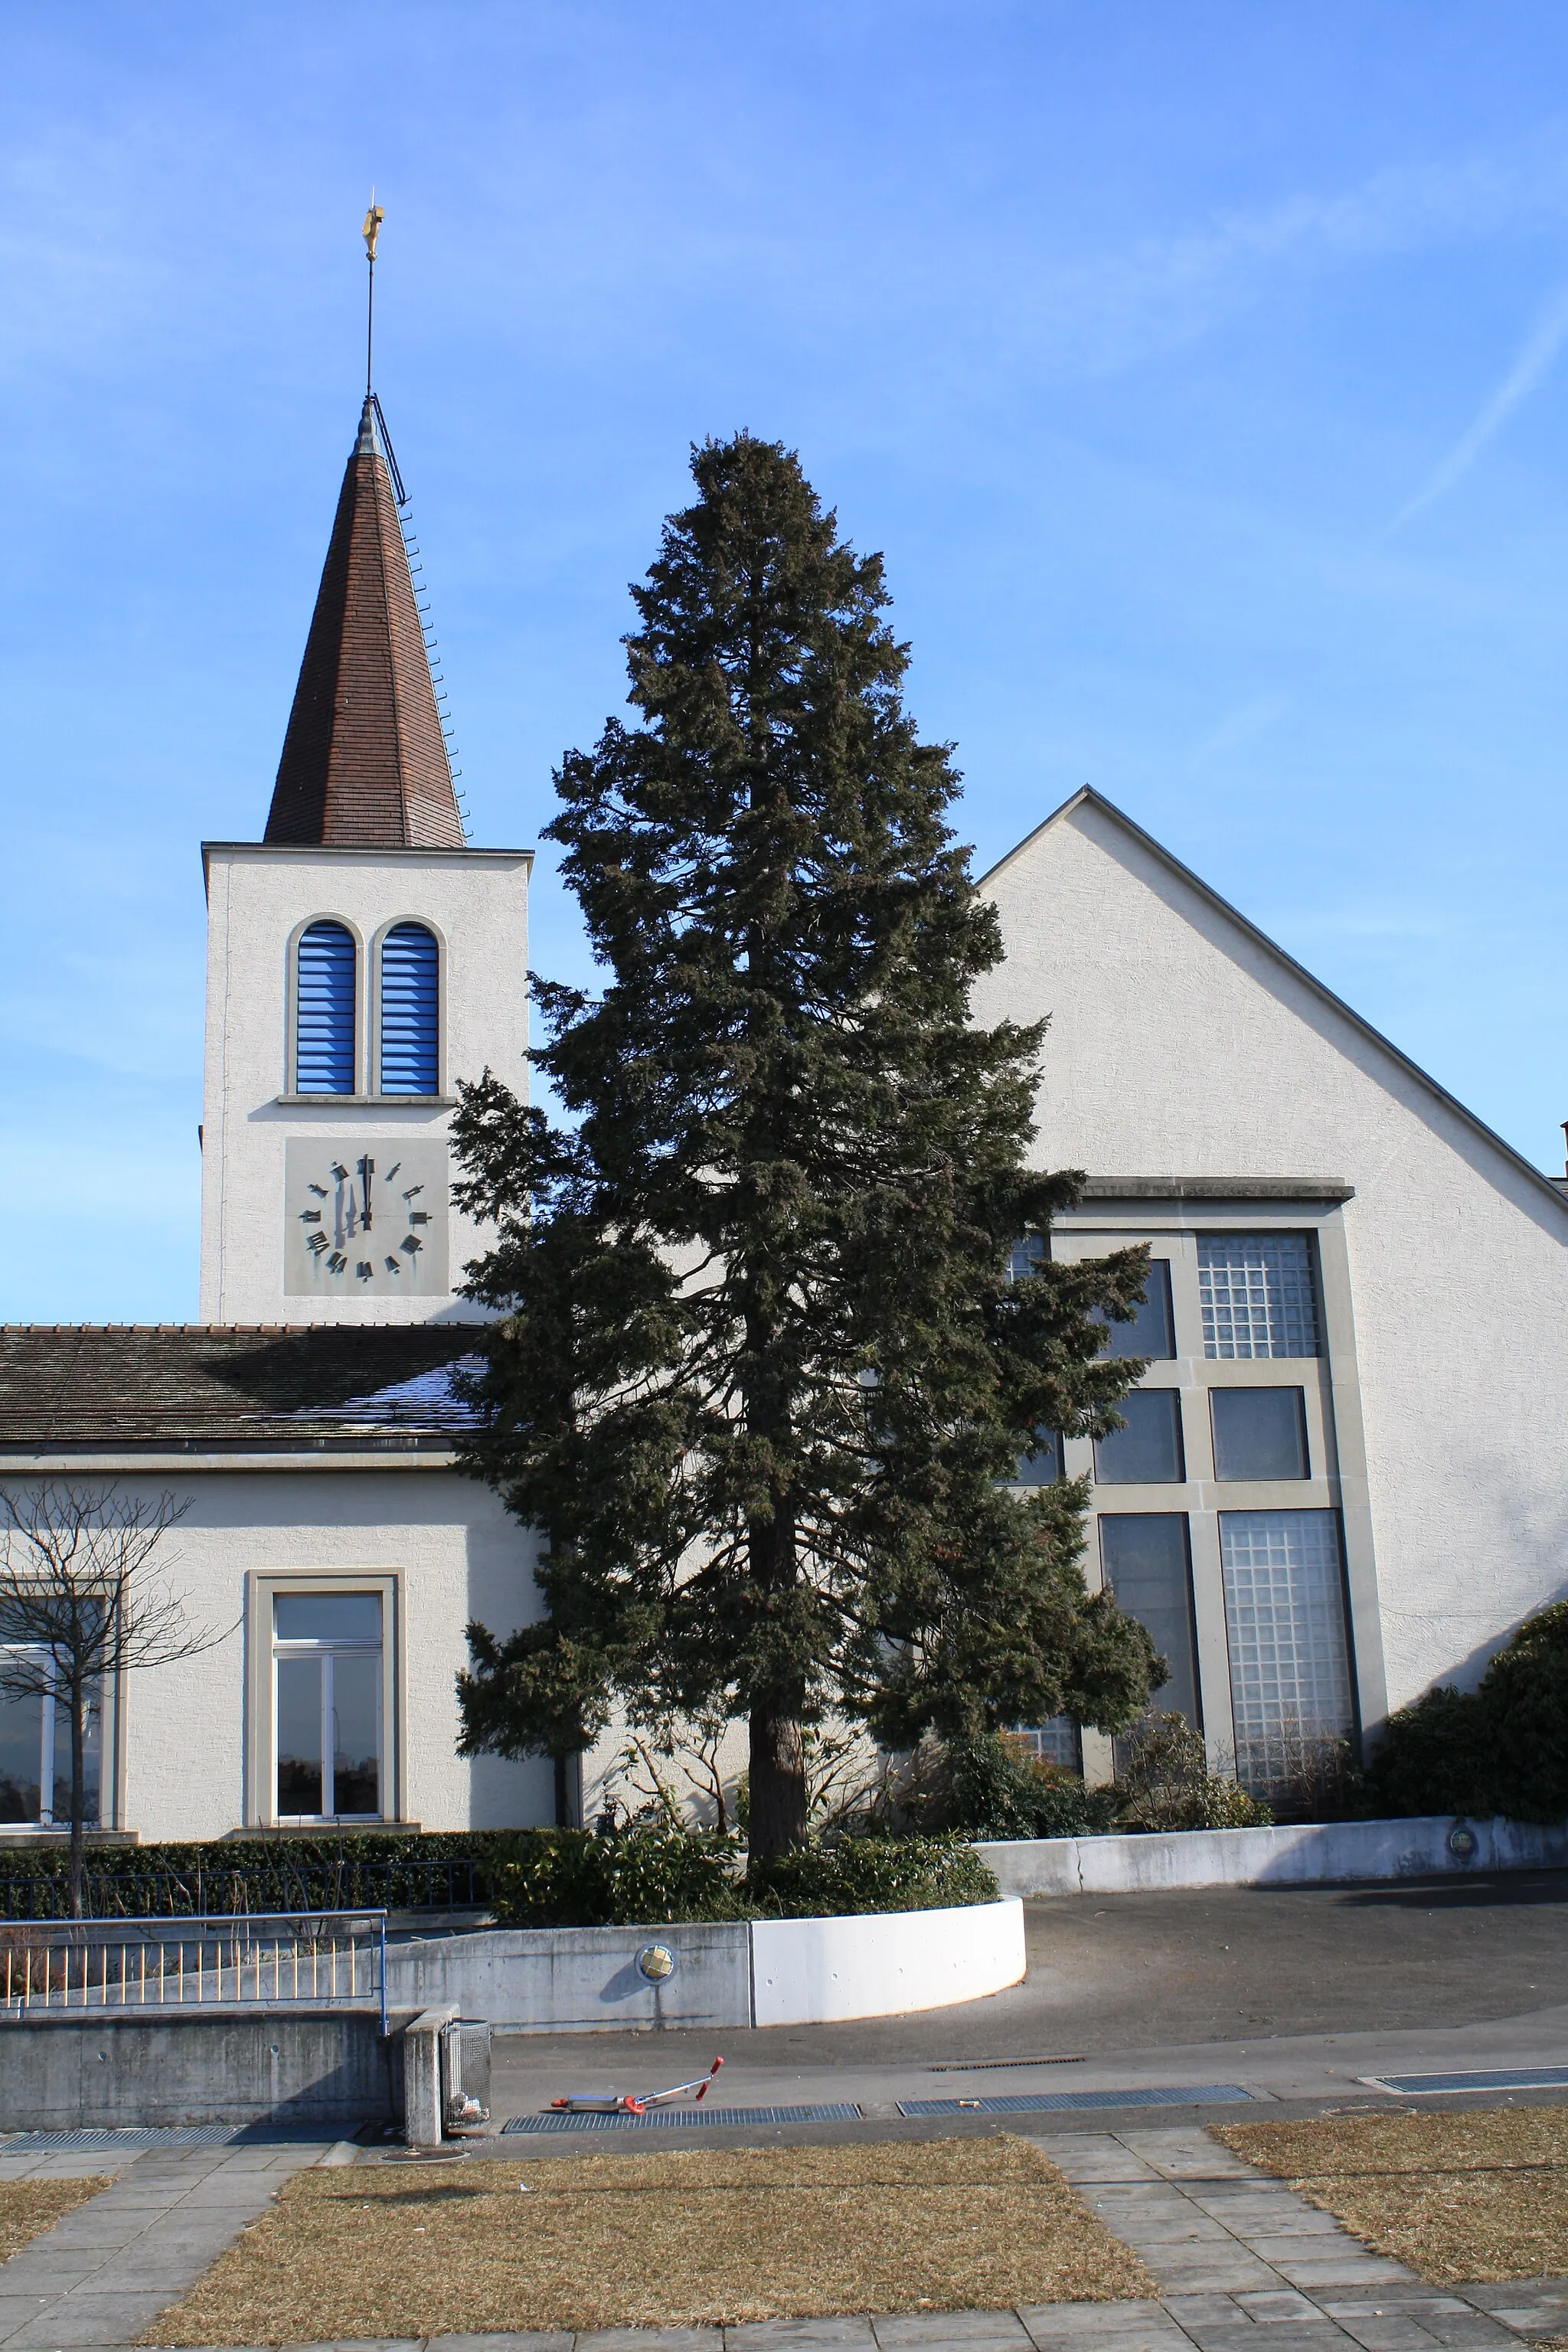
(553, 1879)
(1500, 1749)
(762, 1375)
(871, 1873)
(991, 1786)
(570, 1879)
(398, 1871)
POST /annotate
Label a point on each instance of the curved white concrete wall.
(814, 1971)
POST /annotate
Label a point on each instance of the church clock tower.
(362, 958)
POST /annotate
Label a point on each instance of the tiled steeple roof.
(364, 762)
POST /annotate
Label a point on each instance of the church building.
(1344, 1472)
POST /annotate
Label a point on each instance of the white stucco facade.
(193, 1742)
(260, 899)
(1183, 1045)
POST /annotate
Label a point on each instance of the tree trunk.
(77, 1703)
(779, 1810)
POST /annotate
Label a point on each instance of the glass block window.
(1257, 1294)
(1057, 1742)
(1285, 1622)
(1151, 1331)
(1026, 1258)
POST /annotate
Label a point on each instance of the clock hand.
(366, 1170)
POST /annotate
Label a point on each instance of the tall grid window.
(1285, 1623)
(1257, 1294)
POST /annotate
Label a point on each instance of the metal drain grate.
(842, 2111)
(130, 2142)
(1495, 2078)
(1031, 2103)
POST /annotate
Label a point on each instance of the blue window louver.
(410, 1012)
(324, 1041)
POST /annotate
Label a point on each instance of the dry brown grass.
(656, 2239)
(29, 2207)
(1480, 2196)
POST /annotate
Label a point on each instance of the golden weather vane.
(370, 232)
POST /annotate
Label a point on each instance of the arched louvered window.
(410, 1012)
(324, 1015)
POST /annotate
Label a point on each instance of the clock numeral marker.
(393, 1266)
(339, 1171)
(336, 1263)
(393, 1170)
(320, 1191)
(411, 1243)
(310, 1216)
(317, 1244)
(414, 1190)
(418, 1216)
(364, 1269)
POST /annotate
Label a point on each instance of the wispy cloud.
(1529, 370)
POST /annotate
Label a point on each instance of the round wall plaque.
(1461, 1842)
(656, 1962)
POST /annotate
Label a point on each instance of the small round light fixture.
(656, 1962)
(1462, 1842)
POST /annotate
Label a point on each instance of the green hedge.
(531, 1878)
(389, 1870)
(557, 1878)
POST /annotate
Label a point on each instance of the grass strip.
(29, 2207)
(660, 2239)
(1477, 2196)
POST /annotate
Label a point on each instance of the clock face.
(365, 1219)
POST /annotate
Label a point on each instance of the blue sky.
(1199, 369)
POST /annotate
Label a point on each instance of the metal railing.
(319, 1959)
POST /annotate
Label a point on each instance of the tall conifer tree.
(769, 1354)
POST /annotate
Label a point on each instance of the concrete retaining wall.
(770, 1972)
(1302, 1855)
(64, 2073)
(577, 1979)
(811, 1971)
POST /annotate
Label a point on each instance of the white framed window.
(1257, 1294)
(327, 1714)
(1285, 1626)
(35, 1750)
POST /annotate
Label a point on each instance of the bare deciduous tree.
(85, 1598)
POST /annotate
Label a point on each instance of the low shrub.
(1165, 1782)
(991, 1785)
(871, 1873)
(577, 1878)
(1500, 1748)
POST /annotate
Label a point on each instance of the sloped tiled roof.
(100, 1386)
(364, 761)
